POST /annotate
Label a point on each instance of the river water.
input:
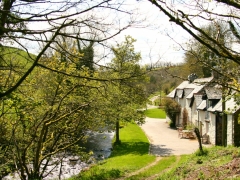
(98, 143)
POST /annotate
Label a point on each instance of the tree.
(47, 102)
(26, 24)
(48, 116)
(223, 52)
(182, 14)
(88, 54)
(211, 61)
(128, 93)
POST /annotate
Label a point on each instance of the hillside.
(15, 56)
(165, 79)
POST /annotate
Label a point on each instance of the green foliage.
(172, 108)
(46, 116)
(50, 113)
(97, 173)
(164, 79)
(126, 95)
(155, 113)
(172, 124)
(209, 162)
(204, 152)
(185, 118)
(88, 54)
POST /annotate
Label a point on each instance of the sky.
(157, 38)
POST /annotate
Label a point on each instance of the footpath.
(165, 141)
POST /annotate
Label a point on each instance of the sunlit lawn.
(130, 155)
(155, 113)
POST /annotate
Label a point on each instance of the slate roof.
(203, 80)
(202, 105)
(213, 92)
(172, 94)
(189, 88)
(198, 98)
(195, 90)
(179, 93)
(231, 106)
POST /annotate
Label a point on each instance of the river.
(99, 143)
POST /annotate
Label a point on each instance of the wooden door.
(218, 130)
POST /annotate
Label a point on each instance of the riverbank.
(131, 160)
(132, 154)
(63, 166)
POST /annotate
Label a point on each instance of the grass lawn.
(130, 155)
(155, 113)
(160, 166)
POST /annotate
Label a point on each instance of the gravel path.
(165, 141)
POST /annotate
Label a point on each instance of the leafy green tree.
(47, 116)
(199, 55)
(181, 14)
(88, 53)
(127, 94)
(36, 26)
(224, 70)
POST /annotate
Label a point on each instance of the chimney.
(192, 77)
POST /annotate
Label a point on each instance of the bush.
(172, 124)
(172, 108)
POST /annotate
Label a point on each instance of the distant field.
(155, 113)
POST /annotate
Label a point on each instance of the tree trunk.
(224, 122)
(117, 141)
(196, 130)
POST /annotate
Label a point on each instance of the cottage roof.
(180, 86)
(183, 85)
(202, 105)
(172, 94)
(179, 93)
(213, 92)
(217, 107)
(231, 106)
(203, 80)
(189, 88)
(195, 90)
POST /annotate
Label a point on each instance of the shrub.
(172, 108)
(202, 153)
(185, 117)
(171, 124)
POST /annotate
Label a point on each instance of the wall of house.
(181, 101)
(194, 114)
(189, 110)
(229, 129)
(212, 128)
(203, 125)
